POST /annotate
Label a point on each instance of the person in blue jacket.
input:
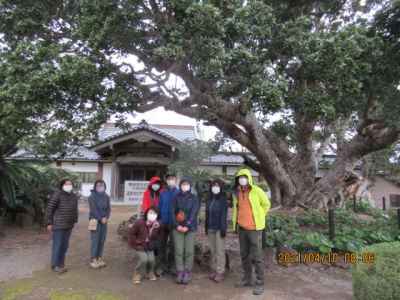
(100, 210)
(166, 251)
(215, 227)
(184, 212)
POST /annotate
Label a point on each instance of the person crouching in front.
(144, 236)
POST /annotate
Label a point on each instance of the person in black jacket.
(62, 214)
(215, 227)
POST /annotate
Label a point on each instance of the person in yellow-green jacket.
(250, 208)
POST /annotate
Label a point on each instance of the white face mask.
(151, 217)
(243, 181)
(215, 189)
(155, 187)
(171, 182)
(185, 187)
(67, 188)
(100, 189)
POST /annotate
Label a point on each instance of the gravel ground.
(25, 254)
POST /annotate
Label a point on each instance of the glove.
(223, 233)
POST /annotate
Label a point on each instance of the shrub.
(380, 279)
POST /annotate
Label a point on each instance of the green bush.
(380, 279)
(25, 188)
(309, 231)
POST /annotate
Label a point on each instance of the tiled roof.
(78, 153)
(225, 158)
(178, 132)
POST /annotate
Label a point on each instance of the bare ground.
(25, 274)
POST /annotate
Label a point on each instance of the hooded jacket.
(187, 203)
(166, 197)
(216, 210)
(259, 202)
(99, 205)
(150, 197)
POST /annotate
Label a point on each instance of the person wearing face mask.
(250, 207)
(166, 244)
(151, 195)
(144, 237)
(215, 228)
(62, 214)
(99, 210)
(184, 211)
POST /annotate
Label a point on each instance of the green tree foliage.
(187, 163)
(324, 66)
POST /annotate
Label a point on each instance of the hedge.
(380, 279)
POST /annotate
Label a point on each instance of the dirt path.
(24, 273)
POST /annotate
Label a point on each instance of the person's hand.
(156, 224)
(130, 225)
(179, 228)
(104, 220)
(49, 228)
(185, 229)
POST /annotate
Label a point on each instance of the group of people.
(164, 236)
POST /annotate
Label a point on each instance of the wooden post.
(383, 203)
(331, 220)
(398, 217)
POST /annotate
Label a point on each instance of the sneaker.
(258, 290)
(94, 264)
(152, 276)
(101, 262)
(212, 275)
(59, 270)
(179, 277)
(137, 278)
(243, 283)
(187, 277)
(219, 277)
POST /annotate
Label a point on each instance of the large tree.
(329, 69)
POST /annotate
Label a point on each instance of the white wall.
(80, 166)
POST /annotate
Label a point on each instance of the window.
(394, 200)
(87, 177)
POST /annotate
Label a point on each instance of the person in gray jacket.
(62, 214)
(100, 210)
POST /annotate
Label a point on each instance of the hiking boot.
(244, 282)
(101, 262)
(258, 290)
(219, 277)
(137, 278)
(59, 270)
(212, 275)
(187, 277)
(159, 272)
(94, 264)
(152, 276)
(179, 277)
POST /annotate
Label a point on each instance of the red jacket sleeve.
(146, 200)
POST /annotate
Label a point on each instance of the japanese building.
(127, 159)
